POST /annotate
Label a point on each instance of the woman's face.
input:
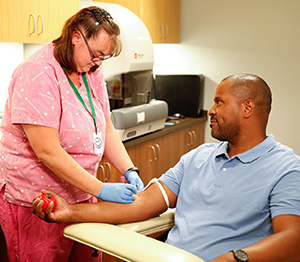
(101, 46)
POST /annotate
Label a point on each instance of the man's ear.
(75, 37)
(248, 107)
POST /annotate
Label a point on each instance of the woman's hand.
(61, 212)
(118, 192)
(133, 178)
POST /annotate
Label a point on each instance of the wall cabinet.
(34, 21)
(161, 17)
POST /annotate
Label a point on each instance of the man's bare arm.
(148, 203)
(282, 246)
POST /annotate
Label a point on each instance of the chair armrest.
(153, 225)
(126, 244)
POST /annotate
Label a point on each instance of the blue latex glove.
(117, 192)
(133, 178)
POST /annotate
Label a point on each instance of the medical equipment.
(129, 77)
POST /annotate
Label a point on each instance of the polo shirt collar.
(253, 153)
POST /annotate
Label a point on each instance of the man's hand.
(61, 212)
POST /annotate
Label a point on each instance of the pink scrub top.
(40, 94)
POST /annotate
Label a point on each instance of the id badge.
(98, 143)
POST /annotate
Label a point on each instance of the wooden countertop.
(178, 125)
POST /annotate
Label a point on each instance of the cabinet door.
(167, 152)
(34, 21)
(190, 138)
(107, 173)
(197, 134)
(13, 20)
(171, 21)
(162, 18)
(144, 156)
(152, 16)
(50, 17)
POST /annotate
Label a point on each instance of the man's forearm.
(282, 246)
(144, 207)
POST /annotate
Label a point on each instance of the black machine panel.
(183, 93)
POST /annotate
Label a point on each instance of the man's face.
(225, 114)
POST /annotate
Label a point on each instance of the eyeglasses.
(95, 59)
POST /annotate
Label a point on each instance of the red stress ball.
(47, 198)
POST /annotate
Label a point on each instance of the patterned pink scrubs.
(40, 94)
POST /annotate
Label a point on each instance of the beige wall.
(219, 38)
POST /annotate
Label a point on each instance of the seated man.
(242, 194)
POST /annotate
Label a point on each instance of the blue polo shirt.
(228, 203)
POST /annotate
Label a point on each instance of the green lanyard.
(93, 114)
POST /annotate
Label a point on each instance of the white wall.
(11, 55)
(219, 38)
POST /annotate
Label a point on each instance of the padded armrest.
(153, 225)
(126, 244)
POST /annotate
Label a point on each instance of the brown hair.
(89, 20)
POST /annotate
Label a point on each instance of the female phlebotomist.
(56, 127)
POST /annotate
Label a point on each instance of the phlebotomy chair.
(129, 242)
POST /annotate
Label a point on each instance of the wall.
(11, 56)
(219, 38)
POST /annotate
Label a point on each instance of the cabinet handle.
(33, 18)
(158, 150)
(103, 172)
(42, 23)
(109, 172)
(154, 154)
(162, 31)
(167, 31)
(190, 139)
(194, 136)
